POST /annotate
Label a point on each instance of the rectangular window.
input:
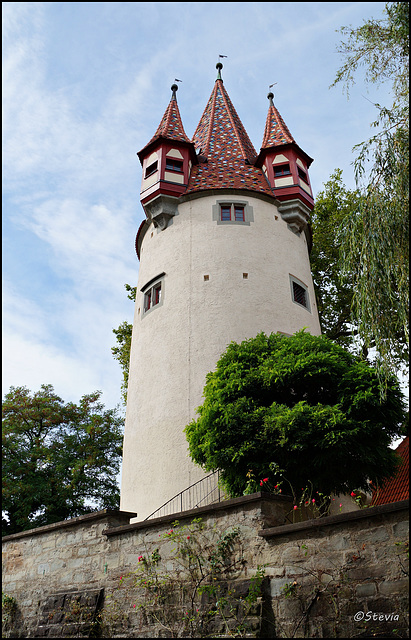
(151, 169)
(299, 294)
(282, 170)
(225, 212)
(302, 175)
(239, 213)
(147, 300)
(157, 294)
(174, 165)
(153, 293)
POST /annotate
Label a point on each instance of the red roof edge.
(397, 487)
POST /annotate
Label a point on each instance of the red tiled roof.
(276, 132)
(171, 126)
(222, 141)
(398, 487)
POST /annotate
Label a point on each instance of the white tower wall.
(178, 341)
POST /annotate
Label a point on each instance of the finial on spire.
(270, 95)
(174, 89)
(219, 66)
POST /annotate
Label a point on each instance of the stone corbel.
(295, 214)
(161, 210)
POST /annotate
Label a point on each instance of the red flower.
(352, 494)
(265, 480)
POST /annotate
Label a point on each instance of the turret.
(285, 166)
(166, 160)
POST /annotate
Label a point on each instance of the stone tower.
(224, 254)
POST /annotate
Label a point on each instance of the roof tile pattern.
(221, 138)
(276, 132)
(171, 126)
(398, 487)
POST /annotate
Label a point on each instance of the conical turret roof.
(226, 153)
(171, 125)
(276, 132)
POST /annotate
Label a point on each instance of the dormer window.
(152, 168)
(282, 170)
(174, 165)
(302, 174)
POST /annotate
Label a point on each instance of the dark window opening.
(302, 175)
(152, 297)
(151, 169)
(231, 212)
(282, 170)
(226, 212)
(174, 165)
(147, 300)
(239, 213)
(299, 294)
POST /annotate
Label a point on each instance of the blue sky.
(84, 87)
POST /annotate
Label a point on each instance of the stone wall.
(341, 576)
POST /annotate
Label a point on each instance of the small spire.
(219, 66)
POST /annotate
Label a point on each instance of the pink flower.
(295, 507)
(134, 606)
(340, 504)
(140, 558)
(313, 500)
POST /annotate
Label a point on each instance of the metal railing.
(203, 492)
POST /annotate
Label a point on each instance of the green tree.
(301, 404)
(60, 460)
(375, 237)
(121, 352)
(334, 296)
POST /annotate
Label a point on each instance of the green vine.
(193, 592)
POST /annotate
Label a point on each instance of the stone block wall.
(340, 576)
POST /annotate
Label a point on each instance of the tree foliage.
(60, 460)
(121, 352)
(301, 404)
(334, 295)
(375, 238)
